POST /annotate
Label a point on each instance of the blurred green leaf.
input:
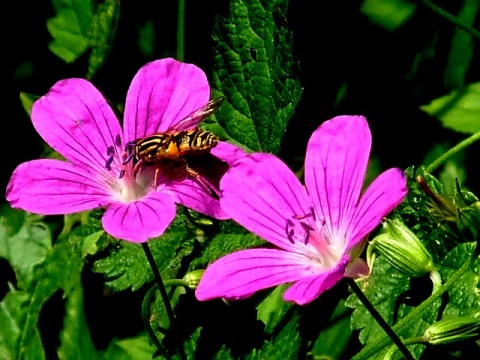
(459, 110)
(103, 31)
(333, 341)
(24, 242)
(60, 270)
(461, 51)
(75, 339)
(255, 69)
(27, 101)
(146, 39)
(132, 348)
(13, 313)
(70, 28)
(389, 14)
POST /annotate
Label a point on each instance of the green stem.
(181, 30)
(457, 148)
(161, 285)
(147, 300)
(446, 15)
(383, 324)
(163, 292)
(379, 343)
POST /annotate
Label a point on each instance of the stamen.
(129, 145)
(110, 151)
(128, 159)
(122, 174)
(109, 162)
(306, 237)
(118, 140)
(306, 227)
(290, 236)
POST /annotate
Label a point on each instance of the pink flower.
(76, 120)
(318, 231)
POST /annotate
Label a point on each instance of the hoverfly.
(174, 153)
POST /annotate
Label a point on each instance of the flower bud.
(192, 278)
(403, 249)
(453, 330)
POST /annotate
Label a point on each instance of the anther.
(306, 227)
(128, 159)
(290, 236)
(129, 145)
(110, 151)
(122, 174)
(306, 237)
(109, 162)
(118, 140)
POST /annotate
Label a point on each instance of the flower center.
(125, 184)
(309, 230)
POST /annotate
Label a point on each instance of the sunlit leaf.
(256, 71)
(459, 110)
(70, 28)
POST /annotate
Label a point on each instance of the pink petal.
(228, 152)
(382, 196)
(262, 194)
(309, 288)
(242, 273)
(55, 187)
(335, 166)
(140, 220)
(191, 194)
(357, 268)
(162, 93)
(75, 120)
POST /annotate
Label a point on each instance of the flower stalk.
(379, 319)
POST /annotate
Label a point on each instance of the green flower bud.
(453, 330)
(403, 249)
(192, 278)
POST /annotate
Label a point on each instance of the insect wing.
(194, 118)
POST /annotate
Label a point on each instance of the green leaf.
(284, 345)
(70, 28)
(146, 39)
(464, 297)
(103, 31)
(12, 317)
(132, 348)
(223, 244)
(458, 110)
(461, 52)
(255, 69)
(75, 339)
(60, 271)
(24, 242)
(126, 265)
(273, 308)
(385, 290)
(334, 339)
(389, 14)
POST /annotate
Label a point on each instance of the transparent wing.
(194, 118)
